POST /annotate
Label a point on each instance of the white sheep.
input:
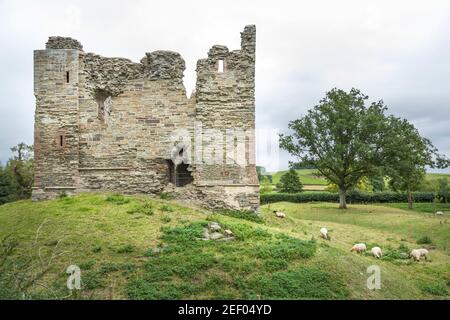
(279, 214)
(416, 254)
(359, 248)
(376, 252)
(439, 213)
(324, 233)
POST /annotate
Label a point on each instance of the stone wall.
(115, 125)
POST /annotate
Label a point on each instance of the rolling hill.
(137, 247)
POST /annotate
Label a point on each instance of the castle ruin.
(110, 124)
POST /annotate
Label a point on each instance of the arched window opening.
(179, 175)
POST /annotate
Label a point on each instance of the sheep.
(279, 214)
(439, 213)
(416, 254)
(324, 233)
(376, 252)
(359, 248)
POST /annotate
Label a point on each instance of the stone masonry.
(110, 124)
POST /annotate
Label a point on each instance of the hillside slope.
(145, 248)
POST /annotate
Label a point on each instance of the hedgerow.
(352, 197)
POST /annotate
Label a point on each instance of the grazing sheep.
(416, 254)
(324, 233)
(279, 214)
(439, 213)
(376, 251)
(359, 248)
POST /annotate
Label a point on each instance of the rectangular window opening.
(67, 76)
(61, 141)
(220, 66)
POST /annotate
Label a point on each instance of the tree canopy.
(347, 139)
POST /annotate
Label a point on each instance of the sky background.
(398, 51)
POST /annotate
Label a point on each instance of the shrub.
(290, 182)
(436, 289)
(166, 208)
(87, 265)
(166, 196)
(117, 199)
(128, 248)
(146, 208)
(424, 240)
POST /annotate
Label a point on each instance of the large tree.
(407, 157)
(341, 136)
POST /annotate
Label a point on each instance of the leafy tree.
(407, 157)
(290, 182)
(8, 186)
(21, 165)
(16, 179)
(341, 137)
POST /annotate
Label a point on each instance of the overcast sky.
(398, 51)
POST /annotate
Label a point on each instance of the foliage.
(16, 178)
(436, 289)
(117, 198)
(443, 189)
(341, 137)
(352, 197)
(145, 208)
(260, 171)
(407, 156)
(347, 141)
(424, 240)
(8, 186)
(265, 185)
(290, 182)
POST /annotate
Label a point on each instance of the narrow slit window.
(220, 66)
(67, 76)
(61, 141)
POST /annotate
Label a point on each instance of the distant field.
(312, 182)
(435, 176)
(307, 176)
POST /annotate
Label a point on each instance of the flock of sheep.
(415, 254)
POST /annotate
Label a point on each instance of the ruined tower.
(110, 124)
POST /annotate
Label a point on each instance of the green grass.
(423, 207)
(126, 253)
(307, 176)
(435, 176)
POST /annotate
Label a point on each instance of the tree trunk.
(410, 200)
(342, 199)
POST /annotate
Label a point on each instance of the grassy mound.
(136, 247)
